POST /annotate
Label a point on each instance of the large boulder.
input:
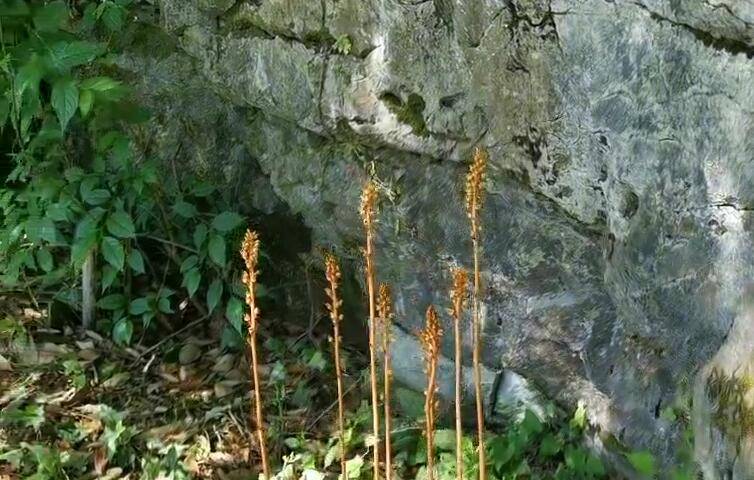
(620, 199)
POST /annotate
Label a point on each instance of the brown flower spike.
(474, 202)
(332, 273)
(385, 315)
(367, 210)
(430, 340)
(458, 296)
(250, 255)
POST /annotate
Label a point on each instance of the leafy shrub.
(77, 187)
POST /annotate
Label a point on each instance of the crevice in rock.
(738, 208)
(729, 45)
(325, 64)
(545, 28)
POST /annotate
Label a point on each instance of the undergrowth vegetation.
(79, 194)
(92, 227)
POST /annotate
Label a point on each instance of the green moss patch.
(410, 112)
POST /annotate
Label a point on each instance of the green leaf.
(4, 111)
(100, 84)
(185, 209)
(594, 466)
(163, 305)
(85, 239)
(98, 196)
(139, 306)
(50, 17)
(549, 446)
(28, 77)
(65, 100)
(214, 294)
(116, 301)
(189, 262)
(44, 259)
(108, 276)
(202, 189)
(65, 55)
(86, 100)
(136, 261)
(200, 235)
(113, 253)
(30, 416)
(217, 250)
(74, 174)
(123, 331)
(119, 223)
(531, 425)
(643, 462)
(445, 440)
(227, 221)
(234, 313)
(353, 467)
(191, 281)
(113, 17)
(579, 420)
(38, 229)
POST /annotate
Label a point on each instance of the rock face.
(620, 201)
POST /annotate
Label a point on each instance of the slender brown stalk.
(458, 298)
(368, 204)
(332, 273)
(474, 201)
(430, 340)
(250, 254)
(385, 312)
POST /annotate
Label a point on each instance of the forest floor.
(75, 405)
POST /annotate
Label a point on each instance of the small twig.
(171, 243)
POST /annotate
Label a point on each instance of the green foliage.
(79, 188)
(343, 45)
(410, 112)
(643, 462)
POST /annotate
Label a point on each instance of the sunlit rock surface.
(620, 200)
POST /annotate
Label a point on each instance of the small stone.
(189, 354)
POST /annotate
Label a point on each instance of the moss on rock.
(410, 113)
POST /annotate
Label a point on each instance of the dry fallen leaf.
(225, 387)
(5, 365)
(224, 363)
(116, 380)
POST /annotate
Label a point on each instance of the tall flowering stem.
(458, 299)
(430, 340)
(334, 304)
(368, 210)
(474, 202)
(250, 255)
(385, 313)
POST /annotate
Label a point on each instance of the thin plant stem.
(250, 254)
(384, 307)
(332, 272)
(430, 340)
(474, 201)
(458, 298)
(368, 201)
